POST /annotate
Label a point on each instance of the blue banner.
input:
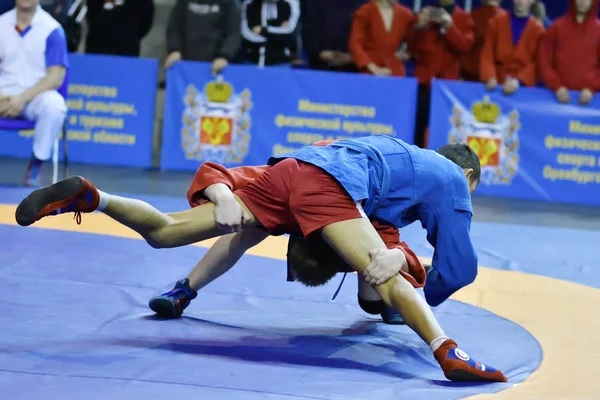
(530, 146)
(248, 114)
(111, 103)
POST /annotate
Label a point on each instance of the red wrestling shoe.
(75, 194)
(459, 367)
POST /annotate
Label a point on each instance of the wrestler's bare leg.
(219, 259)
(167, 230)
(353, 240)
(161, 230)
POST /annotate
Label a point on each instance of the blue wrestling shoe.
(172, 303)
(391, 317)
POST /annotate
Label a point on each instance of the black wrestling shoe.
(172, 303)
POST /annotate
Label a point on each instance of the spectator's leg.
(55, 162)
(65, 151)
(422, 122)
(49, 111)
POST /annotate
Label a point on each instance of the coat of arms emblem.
(216, 123)
(492, 135)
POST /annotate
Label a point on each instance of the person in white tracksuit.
(33, 65)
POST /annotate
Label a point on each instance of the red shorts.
(298, 198)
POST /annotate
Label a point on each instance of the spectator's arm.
(529, 74)
(594, 80)
(417, 39)
(146, 16)
(411, 23)
(176, 26)
(248, 12)
(460, 35)
(57, 62)
(285, 34)
(412, 28)
(549, 74)
(356, 43)
(232, 40)
(487, 64)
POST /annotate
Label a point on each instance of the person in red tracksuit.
(570, 52)
(510, 51)
(469, 64)
(378, 30)
(442, 36)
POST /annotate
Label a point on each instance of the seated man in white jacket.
(33, 64)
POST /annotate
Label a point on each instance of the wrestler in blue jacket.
(399, 184)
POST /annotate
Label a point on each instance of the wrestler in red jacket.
(570, 52)
(313, 261)
(510, 51)
(310, 261)
(210, 173)
(378, 30)
(469, 64)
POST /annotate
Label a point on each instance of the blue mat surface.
(75, 324)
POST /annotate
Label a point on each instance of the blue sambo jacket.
(399, 184)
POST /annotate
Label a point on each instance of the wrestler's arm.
(215, 183)
(218, 192)
(223, 255)
(399, 259)
(454, 264)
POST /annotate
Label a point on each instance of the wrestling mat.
(75, 322)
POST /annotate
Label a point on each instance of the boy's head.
(522, 7)
(313, 261)
(464, 156)
(27, 5)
